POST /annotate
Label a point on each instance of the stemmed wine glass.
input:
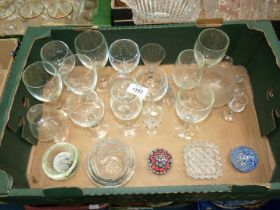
(94, 45)
(78, 73)
(188, 69)
(240, 74)
(124, 56)
(45, 124)
(192, 106)
(212, 44)
(236, 105)
(155, 79)
(87, 110)
(125, 106)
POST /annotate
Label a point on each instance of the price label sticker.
(137, 90)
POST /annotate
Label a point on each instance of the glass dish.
(203, 160)
(60, 161)
(110, 163)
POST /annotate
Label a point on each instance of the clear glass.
(61, 11)
(240, 73)
(110, 163)
(8, 15)
(125, 106)
(124, 56)
(155, 79)
(78, 73)
(55, 52)
(87, 110)
(192, 106)
(45, 124)
(60, 161)
(236, 105)
(94, 45)
(43, 81)
(188, 69)
(212, 44)
(203, 160)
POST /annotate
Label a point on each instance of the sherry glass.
(94, 45)
(55, 52)
(125, 106)
(236, 105)
(43, 81)
(78, 73)
(192, 106)
(188, 69)
(240, 73)
(155, 79)
(110, 163)
(87, 110)
(212, 44)
(124, 56)
(45, 124)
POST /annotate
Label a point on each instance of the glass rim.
(155, 44)
(76, 56)
(128, 40)
(28, 68)
(51, 42)
(66, 174)
(31, 2)
(63, 16)
(9, 8)
(92, 31)
(194, 52)
(202, 86)
(213, 29)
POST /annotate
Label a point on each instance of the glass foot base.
(100, 131)
(228, 116)
(131, 131)
(184, 131)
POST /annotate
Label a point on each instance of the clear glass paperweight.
(203, 160)
(60, 161)
(111, 163)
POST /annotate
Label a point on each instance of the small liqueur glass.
(236, 105)
(240, 74)
(60, 161)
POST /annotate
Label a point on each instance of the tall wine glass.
(125, 106)
(43, 81)
(55, 52)
(188, 69)
(94, 45)
(212, 44)
(45, 124)
(78, 73)
(155, 79)
(124, 56)
(87, 110)
(192, 106)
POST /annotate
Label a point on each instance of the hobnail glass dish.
(110, 163)
(203, 160)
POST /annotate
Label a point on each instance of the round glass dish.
(60, 161)
(110, 163)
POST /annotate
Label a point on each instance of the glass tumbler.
(192, 106)
(126, 106)
(188, 69)
(110, 163)
(42, 81)
(212, 44)
(78, 73)
(94, 45)
(55, 52)
(45, 124)
(87, 110)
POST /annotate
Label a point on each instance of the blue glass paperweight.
(244, 159)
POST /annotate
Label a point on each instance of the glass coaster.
(160, 161)
(203, 160)
(60, 161)
(244, 159)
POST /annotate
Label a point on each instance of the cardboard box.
(253, 45)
